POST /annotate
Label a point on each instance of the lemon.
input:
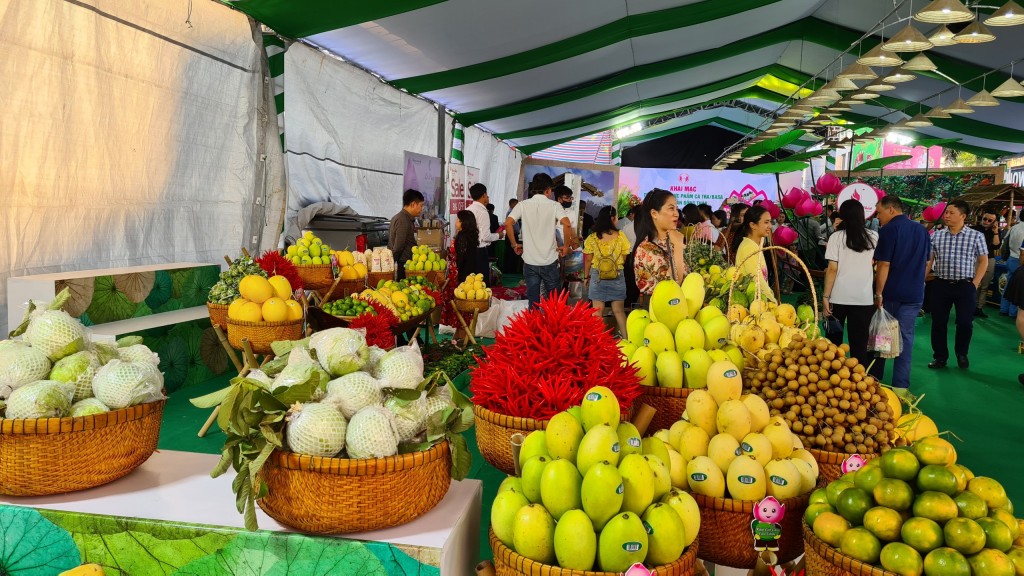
(255, 289)
(250, 312)
(360, 268)
(282, 287)
(349, 273)
(235, 309)
(294, 309)
(274, 310)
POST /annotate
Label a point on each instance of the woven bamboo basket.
(494, 433)
(262, 334)
(374, 278)
(508, 563)
(344, 289)
(824, 560)
(341, 496)
(669, 403)
(435, 277)
(59, 455)
(218, 314)
(725, 536)
(470, 306)
(316, 276)
(830, 464)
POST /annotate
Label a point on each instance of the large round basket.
(218, 314)
(435, 277)
(508, 563)
(470, 306)
(494, 434)
(830, 464)
(316, 276)
(58, 455)
(725, 536)
(824, 560)
(373, 279)
(341, 496)
(262, 334)
(669, 404)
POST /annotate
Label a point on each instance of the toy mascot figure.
(765, 526)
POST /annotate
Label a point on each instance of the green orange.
(1006, 518)
(830, 527)
(991, 562)
(964, 535)
(935, 506)
(946, 562)
(819, 496)
(922, 534)
(937, 479)
(853, 503)
(991, 492)
(1017, 557)
(860, 544)
(893, 493)
(884, 523)
(900, 464)
(901, 559)
(835, 488)
(997, 534)
(971, 505)
(934, 450)
(868, 477)
(814, 510)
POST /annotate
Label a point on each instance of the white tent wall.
(129, 134)
(499, 166)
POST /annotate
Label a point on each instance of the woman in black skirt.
(1015, 294)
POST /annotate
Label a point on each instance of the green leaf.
(260, 460)
(772, 144)
(462, 459)
(782, 167)
(222, 465)
(30, 544)
(274, 367)
(410, 447)
(437, 424)
(302, 392)
(466, 421)
(881, 163)
(276, 553)
(212, 399)
(402, 395)
(284, 347)
(807, 155)
(228, 407)
(124, 546)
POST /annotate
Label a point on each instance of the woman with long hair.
(736, 212)
(697, 225)
(604, 253)
(747, 241)
(849, 279)
(659, 252)
(467, 238)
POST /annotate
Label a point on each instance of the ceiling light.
(859, 72)
(1010, 14)
(865, 96)
(920, 63)
(919, 121)
(899, 75)
(879, 86)
(982, 98)
(937, 112)
(944, 12)
(942, 37)
(959, 107)
(1009, 89)
(877, 57)
(976, 33)
(909, 39)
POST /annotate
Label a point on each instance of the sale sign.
(458, 191)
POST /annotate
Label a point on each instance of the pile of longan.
(827, 399)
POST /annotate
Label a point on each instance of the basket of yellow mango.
(472, 295)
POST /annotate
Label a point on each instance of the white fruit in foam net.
(138, 353)
(340, 350)
(316, 429)
(353, 392)
(121, 384)
(372, 433)
(79, 369)
(55, 333)
(43, 399)
(410, 416)
(401, 367)
(20, 365)
(88, 407)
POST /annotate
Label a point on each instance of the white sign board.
(862, 193)
(460, 179)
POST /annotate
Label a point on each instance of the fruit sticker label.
(615, 447)
(620, 489)
(648, 527)
(632, 546)
(699, 477)
(673, 302)
(686, 364)
(730, 373)
(766, 527)
(633, 441)
(747, 480)
(778, 480)
(595, 396)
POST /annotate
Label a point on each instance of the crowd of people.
(888, 261)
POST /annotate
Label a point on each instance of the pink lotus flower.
(829, 183)
(638, 569)
(807, 207)
(793, 198)
(772, 208)
(784, 236)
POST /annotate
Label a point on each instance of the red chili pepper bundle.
(546, 359)
(276, 265)
(377, 326)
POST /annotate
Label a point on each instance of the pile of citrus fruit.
(915, 511)
(264, 300)
(349, 307)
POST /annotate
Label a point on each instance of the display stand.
(171, 510)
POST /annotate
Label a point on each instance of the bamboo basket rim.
(69, 424)
(769, 248)
(685, 561)
(666, 392)
(359, 466)
(312, 266)
(265, 324)
(830, 555)
(506, 421)
(747, 506)
(474, 301)
(836, 458)
(216, 306)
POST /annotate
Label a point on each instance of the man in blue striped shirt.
(958, 263)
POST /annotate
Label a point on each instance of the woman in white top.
(849, 279)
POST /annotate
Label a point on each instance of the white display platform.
(176, 486)
(110, 331)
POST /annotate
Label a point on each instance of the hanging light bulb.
(944, 12)
(976, 33)
(942, 37)
(857, 72)
(909, 39)
(920, 63)
(898, 76)
(982, 99)
(879, 58)
(1010, 14)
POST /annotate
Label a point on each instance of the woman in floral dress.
(660, 246)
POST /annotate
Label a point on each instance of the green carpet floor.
(982, 406)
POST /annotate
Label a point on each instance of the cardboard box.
(433, 237)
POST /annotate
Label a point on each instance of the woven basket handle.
(810, 279)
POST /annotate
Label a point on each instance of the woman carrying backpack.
(604, 252)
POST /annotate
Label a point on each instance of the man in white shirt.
(539, 249)
(626, 226)
(478, 192)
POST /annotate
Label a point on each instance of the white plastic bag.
(884, 335)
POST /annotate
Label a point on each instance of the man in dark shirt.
(402, 232)
(901, 256)
(989, 227)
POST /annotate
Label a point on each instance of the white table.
(176, 486)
